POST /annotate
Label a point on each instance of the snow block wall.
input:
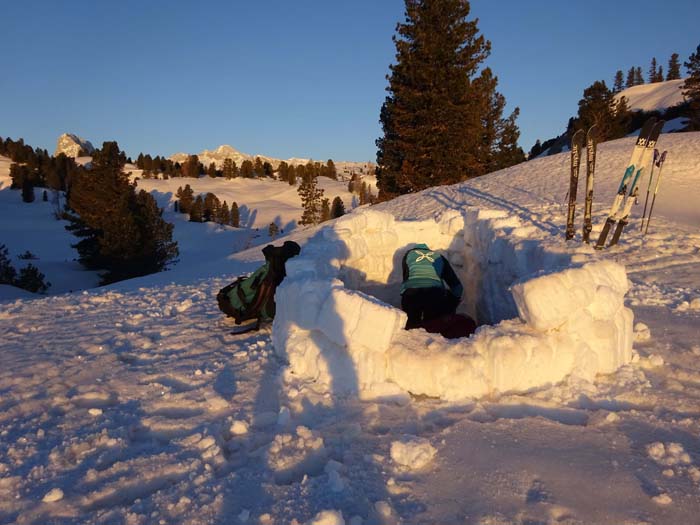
(339, 328)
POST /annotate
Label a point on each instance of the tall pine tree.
(440, 102)
(674, 68)
(618, 85)
(121, 231)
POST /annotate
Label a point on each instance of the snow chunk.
(53, 495)
(327, 517)
(641, 333)
(549, 301)
(238, 428)
(669, 454)
(412, 453)
(293, 456)
(662, 499)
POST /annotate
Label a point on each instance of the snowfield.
(134, 404)
(654, 97)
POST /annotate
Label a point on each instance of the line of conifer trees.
(655, 73)
(34, 167)
(256, 168)
(206, 209)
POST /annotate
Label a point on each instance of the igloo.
(543, 317)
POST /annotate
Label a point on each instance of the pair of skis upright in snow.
(628, 189)
(578, 142)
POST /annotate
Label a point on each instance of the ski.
(577, 142)
(651, 177)
(637, 152)
(591, 147)
(623, 215)
(660, 165)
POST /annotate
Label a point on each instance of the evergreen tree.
(660, 74)
(258, 167)
(691, 88)
(235, 215)
(197, 210)
(224, 214)
(337, 208)
(292, 175)
(598, 106)
(211, 170)
(32, 280)
(247, 169)
(186, 198)
(27, 190)
(18, 173)
(331, 171)
(674, 68)
(310, 201)
(653, 71)
(283, 171)
(619, 81)
(273, 230)
(211, 207)
(325, 210)
(433, 118)
(535, 151)
(638, 78)
(121, 231)
(192, 167)
(629, 82)
(267, 169)
(7, 271)
(230, 169)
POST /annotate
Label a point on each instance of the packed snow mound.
(71, 145)
(654, 97)
(336, 326)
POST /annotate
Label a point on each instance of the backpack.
(253, 296)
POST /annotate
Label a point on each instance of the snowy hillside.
(134, 404)
(33, 227)
(654, 97)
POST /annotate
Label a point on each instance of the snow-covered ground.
(133, 404)
(655, 96)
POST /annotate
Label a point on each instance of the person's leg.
(412, 304)
(434, 303)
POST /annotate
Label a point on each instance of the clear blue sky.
(285, 78)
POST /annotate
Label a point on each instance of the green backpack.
(253, 296)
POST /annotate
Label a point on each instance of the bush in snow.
(31, 279)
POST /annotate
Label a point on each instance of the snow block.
(339, 340)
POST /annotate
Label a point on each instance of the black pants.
(425, 304)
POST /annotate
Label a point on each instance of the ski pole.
(660, 164)
(651, 176)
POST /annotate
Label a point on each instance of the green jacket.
(424, 268)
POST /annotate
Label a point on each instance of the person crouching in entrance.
(430, 288)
